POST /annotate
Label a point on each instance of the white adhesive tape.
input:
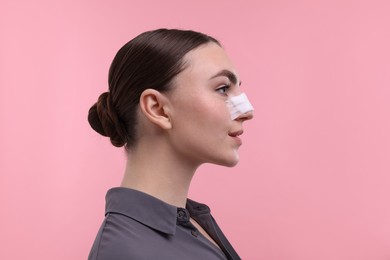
(239, 105)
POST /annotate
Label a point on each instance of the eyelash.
(224, 87)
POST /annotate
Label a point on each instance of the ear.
(155, 106)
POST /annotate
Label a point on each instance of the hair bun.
(103, 119)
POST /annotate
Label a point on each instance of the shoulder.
(119, 237)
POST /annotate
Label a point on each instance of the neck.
(154, 169)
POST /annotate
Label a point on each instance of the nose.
(240, 107)
(245, 116)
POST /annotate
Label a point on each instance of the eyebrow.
(230, 75)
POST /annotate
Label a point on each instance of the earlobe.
(154, 105)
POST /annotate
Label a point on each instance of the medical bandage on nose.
(239, 105)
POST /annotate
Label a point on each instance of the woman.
(174, 102)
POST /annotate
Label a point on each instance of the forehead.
(207, 61)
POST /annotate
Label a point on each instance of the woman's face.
(202, 129)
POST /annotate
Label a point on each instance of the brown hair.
(150, 60)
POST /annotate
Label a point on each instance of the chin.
(229, 162)
(232, 164)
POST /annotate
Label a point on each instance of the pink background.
(314, 176)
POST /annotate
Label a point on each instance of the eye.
(223, 89)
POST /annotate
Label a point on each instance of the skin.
(186, 127)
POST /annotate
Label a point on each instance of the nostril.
(246, 116)
(250, 115)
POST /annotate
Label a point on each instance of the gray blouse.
(140, 226)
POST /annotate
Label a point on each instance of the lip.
(235, 135)
(237, 139)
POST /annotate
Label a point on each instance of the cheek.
(202, 113)
(212, 113)
(219, 111)
(212, 122)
